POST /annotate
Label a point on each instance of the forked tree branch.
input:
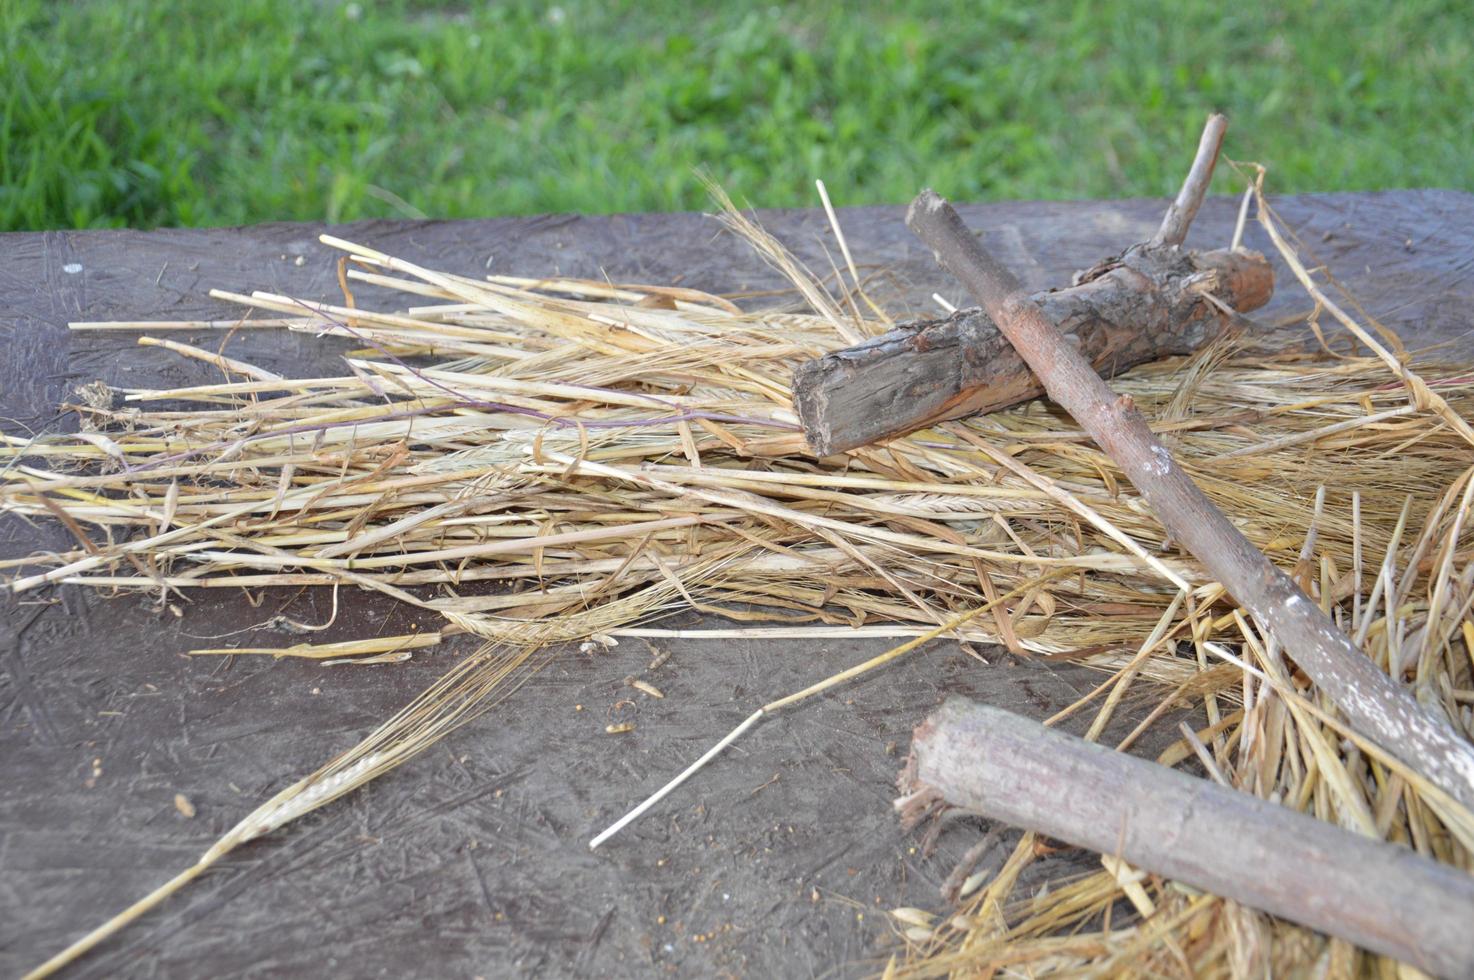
(1153, 300)
(1145, 305)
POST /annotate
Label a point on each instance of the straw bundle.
(560, 460)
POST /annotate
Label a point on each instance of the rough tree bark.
(1146, 304)
(1381, 897)
(1376, 706)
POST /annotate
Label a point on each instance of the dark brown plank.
(388, 882)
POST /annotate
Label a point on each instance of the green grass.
(197, 113)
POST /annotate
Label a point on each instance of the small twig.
(1151, 301)
(1185, 208)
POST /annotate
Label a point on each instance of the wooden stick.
(1185, 208)
(1375, 705)
(1380, 896)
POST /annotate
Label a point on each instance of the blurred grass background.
(129, 112)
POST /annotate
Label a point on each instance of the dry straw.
(558, 460)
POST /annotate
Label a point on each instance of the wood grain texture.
(1380, 896)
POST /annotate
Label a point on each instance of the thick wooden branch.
(1381, 897)
(1376, 706)
(1147, 304)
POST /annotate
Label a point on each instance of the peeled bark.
(1380, 896)
(1147, 304)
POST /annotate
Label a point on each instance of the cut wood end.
(927, 202)
(1245, 276)
(811, 403)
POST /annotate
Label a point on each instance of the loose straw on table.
(773, 706)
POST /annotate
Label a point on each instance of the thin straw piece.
(879, 660)
(671, 786)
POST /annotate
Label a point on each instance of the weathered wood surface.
(1380, 896)
(1145, 305)
(472, 860)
